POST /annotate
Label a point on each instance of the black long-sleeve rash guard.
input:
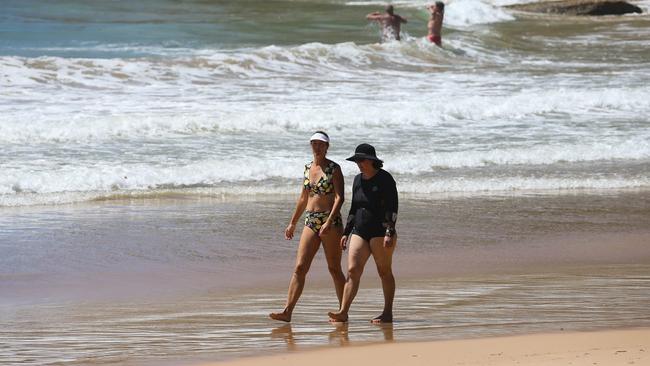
(378, 195)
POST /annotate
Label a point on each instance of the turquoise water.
(126, 29)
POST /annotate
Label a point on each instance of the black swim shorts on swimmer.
(367, 226)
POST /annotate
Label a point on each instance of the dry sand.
(607, 348)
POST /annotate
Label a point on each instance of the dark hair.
(377, 164)
(389, 9)
(441, 6)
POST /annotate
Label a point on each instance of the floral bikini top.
(325, 184)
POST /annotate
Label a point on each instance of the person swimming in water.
(437, 12)
(390, 22)
(321, 198)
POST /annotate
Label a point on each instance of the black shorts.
(367, 226)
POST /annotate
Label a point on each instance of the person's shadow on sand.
(285, 333)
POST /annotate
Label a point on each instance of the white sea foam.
(58, 122)
(380, 3)
(115, 177)
(458, 13)
(313, 61)
(223, 122)
(644, 5)
(433, 186)
(462, 13)
(236, 175)
(425, 162)
(520, 185)
(273, 89)
(277, 67)
(511, 2)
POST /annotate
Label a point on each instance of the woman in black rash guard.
(371, 229)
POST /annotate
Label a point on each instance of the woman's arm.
(300, 207)
(339, 194)
(374, 16)
(353, 210)
(391, 202)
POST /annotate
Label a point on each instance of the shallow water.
(217, 327)
(171, 243)
(183, 279)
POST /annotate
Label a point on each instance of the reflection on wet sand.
(222, 327)
(285, 332)
(387, 329)
(339, 335)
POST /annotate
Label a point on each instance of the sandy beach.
(152, 153)
(611, 348)
(184, 280)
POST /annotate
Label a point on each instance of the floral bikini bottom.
(314, 220)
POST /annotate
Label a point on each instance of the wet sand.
(188, 244)
(176, 278)
(612, 348)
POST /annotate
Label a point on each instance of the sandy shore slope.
(610, 348)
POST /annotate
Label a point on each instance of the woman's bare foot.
(284, 316)
(383, 318)
(338, 317)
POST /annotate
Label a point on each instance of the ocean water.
(151, 153)
(113, 99)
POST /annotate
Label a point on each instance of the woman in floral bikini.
(321, 198)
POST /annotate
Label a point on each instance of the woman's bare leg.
(357, 258)
(309, 243)
(332, 247)
(383, 257)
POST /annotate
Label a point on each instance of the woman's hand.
(388, 241)
(288, 232)
(344, 242)
(324, 228)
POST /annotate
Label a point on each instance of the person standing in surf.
(321, 198)
(371, 230)
(390, 23)
(434, 26)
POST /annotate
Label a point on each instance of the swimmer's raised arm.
(375, 15)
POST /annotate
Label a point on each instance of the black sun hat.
(364, 151)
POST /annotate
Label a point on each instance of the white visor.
(320, 137)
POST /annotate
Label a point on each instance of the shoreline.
(604, 347)
(68, 200)
(230, 328)
(184, 280)
(139, 246)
